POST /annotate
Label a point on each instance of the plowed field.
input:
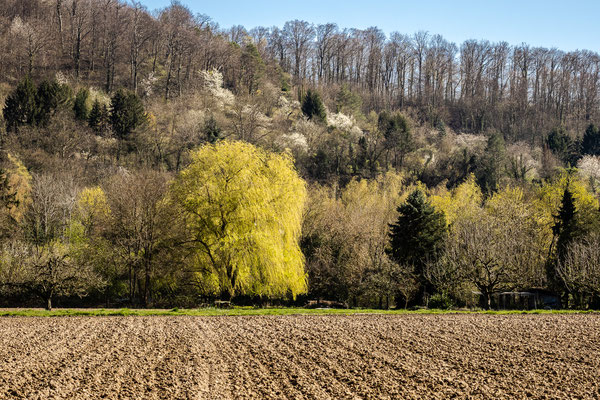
(316, 357)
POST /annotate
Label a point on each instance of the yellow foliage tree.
(91, 208)
(550, 197)
(243, 210)
(527, 236)
(345, 236)
(19, 180)
(464, 200)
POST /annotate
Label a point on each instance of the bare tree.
(42, 263)
(298, 36)
(139, 226)
(580, 270)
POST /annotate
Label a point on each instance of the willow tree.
(243, 211)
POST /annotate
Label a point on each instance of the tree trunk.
(49, 302)
(488, 299)
(60, 23)
(147, 282)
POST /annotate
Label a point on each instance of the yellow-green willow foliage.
(91, 209)
(19, 181)
(466, 199)
(346, 234)
(526, 236)
(243, 212)
(90, 213)
(550, 197)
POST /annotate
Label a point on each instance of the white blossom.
(18, 27)
(213, 83)
(148, 83)
(61, 78)
(344, 123)
(589, 167)
(294, 141)
(470, 141)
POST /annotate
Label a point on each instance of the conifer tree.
(398, 137)
(95, 116)
(20, 107)
(49, 97)
(591, 141)
(563, 146)
(126, 113)
(565, 228)
(80, 107)
(313, 107)
(253, 67)
(212, 131)
(418, 234)
(347, 102)
(492, 165)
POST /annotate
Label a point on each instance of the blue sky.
(567, 25)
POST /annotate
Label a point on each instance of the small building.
(527, 300)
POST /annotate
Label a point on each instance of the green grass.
(249, 311)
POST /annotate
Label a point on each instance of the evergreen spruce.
(591, 141)
(418, 234)
(253, 67)
(50, 96)
(398, 137)
(492, 165)
(95, 116)
(212, 131)
(565, 228)
(563, 146)
(313, 107)
(347, 102)
(80, 107)
(126, 113)
(20, 107)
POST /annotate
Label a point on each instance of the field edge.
(251, 311)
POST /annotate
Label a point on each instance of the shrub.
(440, 301)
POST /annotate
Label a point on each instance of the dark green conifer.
(313, 107)
(418, 235)
(591, 141)
(492, 166)
(212, 131)
(80, 107)
(49, 97)
(20, 107)
(126, 113)
(565, 228)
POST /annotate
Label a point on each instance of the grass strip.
(251, 311)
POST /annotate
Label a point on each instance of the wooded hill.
(125, 135)
(474, 86)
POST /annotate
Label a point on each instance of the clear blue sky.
(567, 25)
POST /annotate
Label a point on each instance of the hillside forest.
(155, 159)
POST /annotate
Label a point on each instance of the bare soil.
(297, 357)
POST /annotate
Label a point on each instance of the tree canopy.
(418, 235)
(243, 212)
(312, 106)
(126, 113)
